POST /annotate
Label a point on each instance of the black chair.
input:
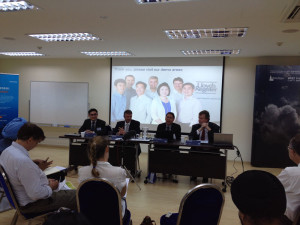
(202, 204)
(13, 201)
(100, 202)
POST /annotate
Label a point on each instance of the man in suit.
(169, 129)
(204, 131)
(122, 127)
(93, 124)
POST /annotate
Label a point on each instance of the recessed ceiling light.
(65, 37)
(116, 53)
(206, 33)
(21, 54)
(161, 1)
(211, 52)
(15, 5)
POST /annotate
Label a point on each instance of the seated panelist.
(93, 124)
(204, 130)
(169, 129)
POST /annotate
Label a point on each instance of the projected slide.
(152, 91)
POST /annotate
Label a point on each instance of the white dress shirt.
(28, 181)
(290, 179)
(141, 108)
(188, 110)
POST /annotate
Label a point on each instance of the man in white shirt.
(33, 190)
(177, 92)
(140, 105)
(290, 179)
(189, 106)
(153, 82)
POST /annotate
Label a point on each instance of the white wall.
(238, 95)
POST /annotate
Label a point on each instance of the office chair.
(13, 201)
(100, 202)
(202, 204)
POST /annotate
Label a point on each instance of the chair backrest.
(7, 189)
(100, 202)
(201, 205)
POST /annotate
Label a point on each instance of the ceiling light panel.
(211, 52)
(21, 54)
(116, 53)
(206, 33)
(160, 1)
(65, 37)
(14, 5)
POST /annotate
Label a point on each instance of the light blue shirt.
(28, 181)
(118, 106)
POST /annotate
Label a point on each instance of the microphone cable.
(230, 179)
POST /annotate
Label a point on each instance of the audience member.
(162, 104)
(141, 104)
(10, 131)
(34, 192)
(153, 82)
(98, 153)
(93, 124)
(118, 100)
(260, 198)
(129, 91)
(290, 179)
(189, 106)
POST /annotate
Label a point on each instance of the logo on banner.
(206, 87)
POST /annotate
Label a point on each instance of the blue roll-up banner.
(9, 98)
(276, 114)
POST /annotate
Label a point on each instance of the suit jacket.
(134, 125)
(162, 133)
(101, 129)
(214, 129)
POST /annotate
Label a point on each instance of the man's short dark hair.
(259, 195)
(295, 143)
(93, 110)
(178, 79)
(206, 113)
(127, 111)
(192, 85)
(141, 82)
(170, 113)
(129, 76)
(30, 130)
(164, 84)
(119, 81)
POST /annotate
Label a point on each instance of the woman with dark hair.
(98, 153)
(162, 104)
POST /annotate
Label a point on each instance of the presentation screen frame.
(205, 74)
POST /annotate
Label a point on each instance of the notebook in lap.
(223, 140)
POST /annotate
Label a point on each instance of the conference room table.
(173, 157)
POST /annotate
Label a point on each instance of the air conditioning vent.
(292, 14)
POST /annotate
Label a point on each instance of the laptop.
(223, 140)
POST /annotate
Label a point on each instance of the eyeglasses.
(93, 114)
(289, 148)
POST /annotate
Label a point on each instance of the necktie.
(126, 127)
(202, 135)
(93, 126)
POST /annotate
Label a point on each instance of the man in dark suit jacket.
(169, 130)
(122, 127)
(204, 130)
(93, 124)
